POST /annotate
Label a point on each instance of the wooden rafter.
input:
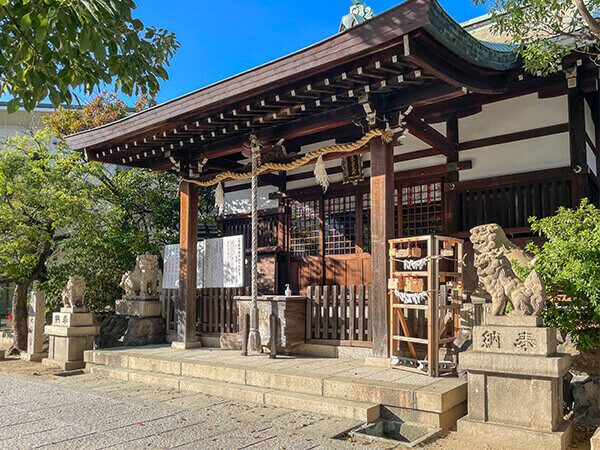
(447, 67)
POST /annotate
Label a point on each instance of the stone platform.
(339, 387)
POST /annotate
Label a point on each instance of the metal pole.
(254, 337)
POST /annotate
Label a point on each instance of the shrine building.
(445, 131)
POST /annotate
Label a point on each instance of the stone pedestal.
(71, 333)
(291, 312)
(596, 440)
(35, 328)
(515, 386)
(139, 307)
(138, 322)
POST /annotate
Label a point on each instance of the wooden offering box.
(429, 316)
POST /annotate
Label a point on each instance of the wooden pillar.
(188, 244)
(450, 222)
(578, 145)
(382, 230)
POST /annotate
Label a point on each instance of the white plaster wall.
(240, 202)
(513, 115)
(549, 152)
(590, 128)
(591, 159)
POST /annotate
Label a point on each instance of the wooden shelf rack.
(435, 322)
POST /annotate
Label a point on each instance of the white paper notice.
(220, 264)
(171, 270)
(233, 261)
(200, 265)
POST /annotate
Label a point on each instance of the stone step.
(362, 411)
(368, 391)
(438, 397)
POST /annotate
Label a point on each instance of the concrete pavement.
(89, 412)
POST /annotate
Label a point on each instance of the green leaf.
(12, 106)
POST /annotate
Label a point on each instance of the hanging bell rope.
(386, 135)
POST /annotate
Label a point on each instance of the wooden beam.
(266, 179)
(562, 173)
(431, 136)
(416, 155)
(382, 230)
(429, 94)
(450, 219)
(188, 243)
(578, 144)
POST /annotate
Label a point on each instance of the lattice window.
(340, 225)
(422, 209)
(267, 230)
(367, 223)
(304, 228)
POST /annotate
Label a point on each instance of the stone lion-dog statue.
(493, 255)
(142, 282)
(74, 293)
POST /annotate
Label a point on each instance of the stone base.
(505, 436)
(596, 440)
(64, 365)
(139, 308)
(124, 331)
(186, 345)
(33, 357)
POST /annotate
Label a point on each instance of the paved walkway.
(89, 412)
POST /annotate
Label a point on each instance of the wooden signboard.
(352, 169)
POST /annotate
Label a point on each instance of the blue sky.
(227, 37)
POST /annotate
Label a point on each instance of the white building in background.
(22, 122)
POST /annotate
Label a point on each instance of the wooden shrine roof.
(412, 54)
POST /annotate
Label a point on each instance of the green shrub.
(569, 263)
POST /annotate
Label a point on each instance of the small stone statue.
(142, 282)
(492, 250)
(74, 293)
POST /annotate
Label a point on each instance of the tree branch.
(589, 19)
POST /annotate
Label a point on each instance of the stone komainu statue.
(142, 282)
(493, 255)
(73, 294)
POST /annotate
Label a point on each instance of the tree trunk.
(589, 18)
(19, 312)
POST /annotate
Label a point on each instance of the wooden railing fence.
(216, 309)
(338, 315)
